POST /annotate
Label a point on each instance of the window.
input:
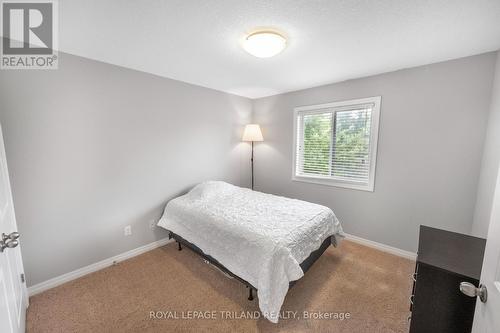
(336, 143)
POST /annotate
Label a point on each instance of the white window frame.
(327, 180)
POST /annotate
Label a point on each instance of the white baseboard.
(58, 280)
(382, 247)
(54, 282)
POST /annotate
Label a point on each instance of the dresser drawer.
(438, 305)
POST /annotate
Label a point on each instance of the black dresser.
(444, 260)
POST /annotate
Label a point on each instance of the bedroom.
(126, 142)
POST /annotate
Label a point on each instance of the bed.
(265, 241)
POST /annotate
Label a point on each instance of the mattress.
(260, 237)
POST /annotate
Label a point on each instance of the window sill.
(334, 183)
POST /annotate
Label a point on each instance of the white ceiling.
(329, 41)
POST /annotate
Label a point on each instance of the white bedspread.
(260, 237)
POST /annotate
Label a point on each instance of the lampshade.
(252, 133)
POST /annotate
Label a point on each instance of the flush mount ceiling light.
(264, 44)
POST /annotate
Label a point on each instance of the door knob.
(10, 243)
(470, 290)
(12, 235)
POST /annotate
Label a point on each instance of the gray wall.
(93, 147)
(432, 128)
(490, 163)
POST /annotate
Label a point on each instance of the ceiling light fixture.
(264, 44)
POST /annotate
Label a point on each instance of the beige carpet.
(372, 286)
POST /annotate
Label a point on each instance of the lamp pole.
(251, 159)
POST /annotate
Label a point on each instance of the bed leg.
(179, 246)
(250, 294)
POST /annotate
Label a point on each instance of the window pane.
(336, 144)
(316, 149)
(351, 154)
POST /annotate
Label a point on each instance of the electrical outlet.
(127, 231)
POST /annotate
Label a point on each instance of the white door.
(13, 292)
(487, 315)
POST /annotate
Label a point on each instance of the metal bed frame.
(305, 265)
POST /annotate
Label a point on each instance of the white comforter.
(260, 237)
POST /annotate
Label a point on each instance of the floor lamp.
(252, 134)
